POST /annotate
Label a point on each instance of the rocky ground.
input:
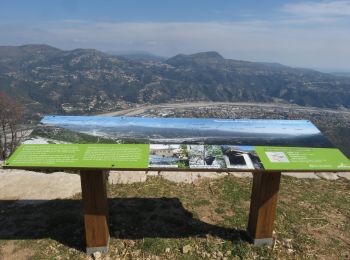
(154, 218)
(53, 199)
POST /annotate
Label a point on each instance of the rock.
(129, 243)
(219, 254)
(126, 177)
(301, 175)
(96, 256)
(327, 175)
(345, 175)
(137, 253)
(152, 173)
(189, 177)
(57, 185)
(228, 253)
(241, 174)
(122, 245)
(167, 250)
(186, 249)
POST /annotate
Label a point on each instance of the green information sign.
(81, 156)
(300, 158)
(177, 143)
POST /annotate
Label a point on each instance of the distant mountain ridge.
(341, 74)
(49, 80)
(142, 56)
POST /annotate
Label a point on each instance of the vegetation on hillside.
(49, 80)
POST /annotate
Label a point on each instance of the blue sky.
(135, 10)
(313, 34)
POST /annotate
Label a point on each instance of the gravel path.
(35, 186)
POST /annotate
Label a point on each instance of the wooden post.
(263, 207)
(94, 193)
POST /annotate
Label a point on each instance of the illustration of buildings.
(166, 150)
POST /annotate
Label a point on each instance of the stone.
(167, 250)
(130, 243)
(241, 174)
(152, 173)
(301, 175)
(345, 175)
(137, 253)
(328, 175)
(186, 249)
(190, 177)
(126, 177)
(96, 256)
(43, 186)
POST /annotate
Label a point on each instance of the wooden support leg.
(94, 193)
(263, 207)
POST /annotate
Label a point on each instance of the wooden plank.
(94, 193)
(263, 207)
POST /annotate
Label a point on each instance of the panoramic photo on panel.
(291, 133)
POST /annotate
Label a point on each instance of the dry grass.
(160, 218)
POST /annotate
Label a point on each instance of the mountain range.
(81, 81)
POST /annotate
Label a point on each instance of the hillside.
(50, 80)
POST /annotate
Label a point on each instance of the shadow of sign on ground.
(129, 218)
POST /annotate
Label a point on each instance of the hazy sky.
(314, 34)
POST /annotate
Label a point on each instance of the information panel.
(177, 143)
(81, 155)
(301, 158)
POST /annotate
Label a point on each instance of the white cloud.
(320, 8)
